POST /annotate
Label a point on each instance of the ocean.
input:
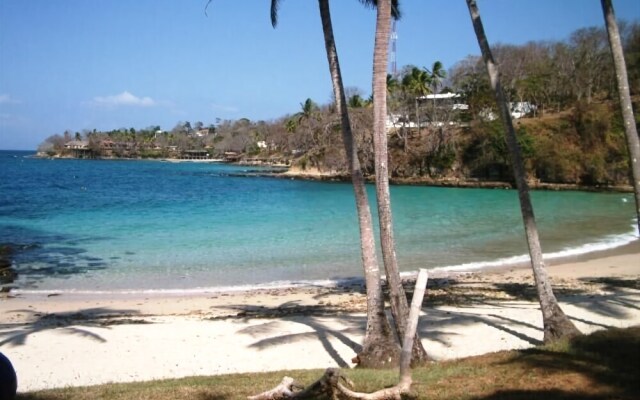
(118, 226)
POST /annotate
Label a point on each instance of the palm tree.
(307, 109)
(356, 101)
(556, 324)
(291, 125)
(417, 84)
(393, 88)
(631, 132)
(379, 348)
(392, 84)
(436, 76)
(398, 298)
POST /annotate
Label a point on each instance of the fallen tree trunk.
(336, 386)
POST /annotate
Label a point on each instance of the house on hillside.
(521, 109)
(194, 155)
(79, 149)
(231, 156)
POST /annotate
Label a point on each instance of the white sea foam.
(324, 283)
(607, 243)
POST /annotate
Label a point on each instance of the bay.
(119, 226)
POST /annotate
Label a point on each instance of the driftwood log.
(336, 386)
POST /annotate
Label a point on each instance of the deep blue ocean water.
(112, 226)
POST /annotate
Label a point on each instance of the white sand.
(50, 349)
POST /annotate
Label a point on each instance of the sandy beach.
(75, 340)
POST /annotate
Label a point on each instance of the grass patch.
(603, 365)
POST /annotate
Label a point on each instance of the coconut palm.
(379, 348)
(392, 84)
(307, 109)
(291, 125)
(556, 324)
(631, 132)
(356, 101)
(417, 83)
(393, 93)
(398, 299)
(436, 76)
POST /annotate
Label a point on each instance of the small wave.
(323, 283)
(608, 243)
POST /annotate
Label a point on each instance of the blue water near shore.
(119, 226)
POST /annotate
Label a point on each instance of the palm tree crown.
(417, 82)
(436, 75)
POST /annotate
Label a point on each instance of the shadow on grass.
(74, 323)
(542, 394)
(204, 394)
(608, 360)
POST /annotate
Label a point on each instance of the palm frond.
(395, 7)
(275, 4)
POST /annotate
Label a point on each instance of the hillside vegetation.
(442, 124)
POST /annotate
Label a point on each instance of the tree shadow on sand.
(612, 298)
(308, 315)
(73, 323)
(609, 298)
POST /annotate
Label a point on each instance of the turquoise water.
(102, 226)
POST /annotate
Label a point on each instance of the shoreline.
(320, 176)
(453, 182)
(166, 336)
(629, 246)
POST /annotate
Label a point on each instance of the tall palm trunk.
(379, 348)
(398, 299)
(556, 323)
(633, 144)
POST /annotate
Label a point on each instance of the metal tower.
(394, 37)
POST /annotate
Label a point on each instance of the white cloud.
(124, 99)
(7, 99)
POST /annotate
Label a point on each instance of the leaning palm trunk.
(398, 299)
(379, 348)
(633, 144)
(556, 323)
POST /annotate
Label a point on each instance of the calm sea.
(118, 226)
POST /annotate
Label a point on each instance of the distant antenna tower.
(394, 38)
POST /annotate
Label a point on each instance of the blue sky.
(84, 64)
